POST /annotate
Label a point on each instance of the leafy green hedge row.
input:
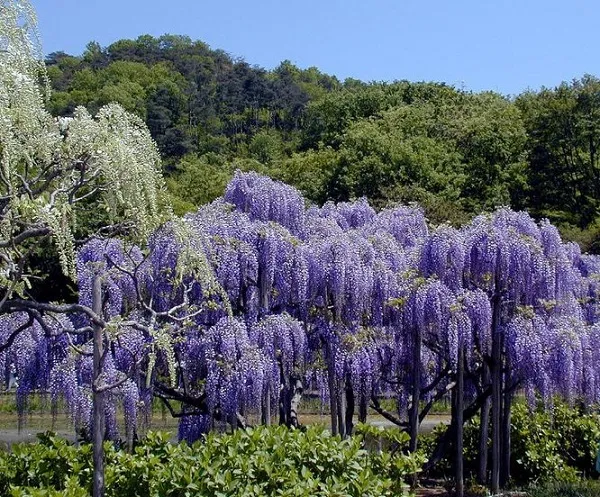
(561, 445)
(583, 488)
(262, 461)
(545, 446)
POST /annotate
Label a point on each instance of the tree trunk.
(266, 410)
(233, 421)
(496, 372)
(333, 393)
(98, 419)
(505, 434)
(413, 415)
(341, 408)
(295, 402)
(261, 408)
(349, 408)
(284, 400)
(484, 428)
(362, 409)
(416, 391)
(443, 444)
(459, 410)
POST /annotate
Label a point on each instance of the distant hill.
(456, 152)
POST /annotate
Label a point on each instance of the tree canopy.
(454, 151)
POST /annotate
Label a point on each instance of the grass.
(40, 418)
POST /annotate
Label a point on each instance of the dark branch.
(21, 237)
(25, 305)
(15, 333)
(376, 406)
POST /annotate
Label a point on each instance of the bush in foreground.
(262, 461)
(583, 488)
(546, 447)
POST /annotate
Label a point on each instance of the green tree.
(311, 171)
(488, 132)
(266, 146)
(563, 127)
(198, 180)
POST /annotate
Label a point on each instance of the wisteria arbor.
(255, 297)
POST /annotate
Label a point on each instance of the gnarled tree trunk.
(459, 410)
(496, 372)
(484, 428)
(98, 420)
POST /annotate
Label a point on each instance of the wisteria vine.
(286, 298)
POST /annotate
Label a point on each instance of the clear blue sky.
(500, 45)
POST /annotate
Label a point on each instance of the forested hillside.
(455, 152)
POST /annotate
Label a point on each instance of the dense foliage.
(256, 297)
(261, 461)
(561, 445)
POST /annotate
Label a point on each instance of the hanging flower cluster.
(332, 297)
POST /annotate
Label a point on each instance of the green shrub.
(583, 488)
(578, 437)
(545, 446)
(388, 449)
(553, 446)
(536, 454)
(46, 464)
(261, 461)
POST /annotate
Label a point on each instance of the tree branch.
(24, 235)
(375, 405)
(25, 305)
(15, 333)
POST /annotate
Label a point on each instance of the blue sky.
(500, 45)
